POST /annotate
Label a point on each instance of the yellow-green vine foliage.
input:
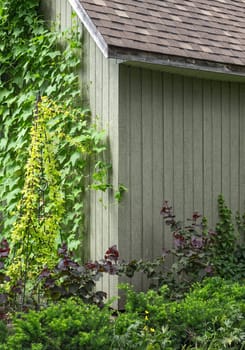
(36, 232)
(76, 143)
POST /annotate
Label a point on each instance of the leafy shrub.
(69, 278)
(3, 332)
(200, 251)
(140, 327)
(229, 244)
(67, 325)
(211, 314)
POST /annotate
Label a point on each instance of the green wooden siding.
(180, 139)
(100, 81)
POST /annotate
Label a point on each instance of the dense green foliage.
(210, 316)
(33, 61)
(68, 325)
(229, 248)
(211, 313)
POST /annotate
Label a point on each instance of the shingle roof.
(209, 30)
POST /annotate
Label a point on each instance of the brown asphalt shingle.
(212, 30)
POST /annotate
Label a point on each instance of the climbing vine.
(75, 143)
(35, 234)
(32, 62)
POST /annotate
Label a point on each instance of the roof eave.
(132, 55)
(89, 25)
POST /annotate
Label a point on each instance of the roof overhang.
(160, 61)
(176, 64)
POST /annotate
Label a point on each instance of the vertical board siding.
(136, 167)
(225, 136)
(99, 84)
(181, 139)
(178, 173)
(157, 161)
(92, 223)
(48, 9)
(197, 145)
(216, 144)
(234, 147)
(147, 165)
(188, 148)
(102, 91)
(207, 150)
(242, 147)
(125, 168)
(168, 159)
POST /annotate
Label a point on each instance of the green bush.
(201, 252)
(67, 325)
(3, 331)
(212, 313)
(210, 316)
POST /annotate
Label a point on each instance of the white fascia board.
(89, 25)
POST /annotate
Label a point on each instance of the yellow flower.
(152, 330)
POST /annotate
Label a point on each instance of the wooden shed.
(167, 80)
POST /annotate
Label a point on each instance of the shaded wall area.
(180, 139)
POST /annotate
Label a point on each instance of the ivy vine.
(35, 60)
